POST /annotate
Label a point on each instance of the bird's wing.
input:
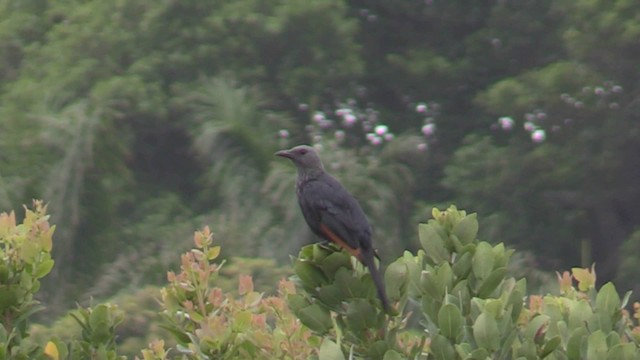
(339, 216)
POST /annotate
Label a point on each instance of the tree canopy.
(140, 120)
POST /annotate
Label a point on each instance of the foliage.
(525, 111)
(25, 250)
(467, 307)
(339, 302)
(209, 323)
(470, 308)
(98, 339)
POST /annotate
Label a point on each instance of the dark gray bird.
(332, 213)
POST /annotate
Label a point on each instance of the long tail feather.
(367, 260)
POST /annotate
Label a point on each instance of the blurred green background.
(140, 121)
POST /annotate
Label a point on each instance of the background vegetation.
(139, 121)
(451, 299)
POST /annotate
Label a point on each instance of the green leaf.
(492, 282)
(450, 321)
(462, 265)
(335, 261)
(480, 354)
(550, 346)
(307, 252)
(627, 351)
(579, 313)
(316, 318)
(430, 308)
(330, 351)
(99, 316)
(608, 300)
(330, 295)
(483, 261)
(8, 296)
(297, 302)
(485, 331)
(500, 256)
(432, 244)
(586, 277)
(467, 229)
(213, 253)
(377, 349)
(241, 321)
(320, 252)
(574, 344)
(625, 299)
(350, 285)
(458, 247)
(613, 339)
(43, 268)
(441, 348)
(461, 291)
(597, 346)
(4, 270)
(395, 279)
(430, 286)
(536, 328)
(360, 315)
(463, 350)
(30, 251)
(515, 301)
(309, 274)
(393, 355)
(445, 276)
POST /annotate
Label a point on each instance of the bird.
(333, 213)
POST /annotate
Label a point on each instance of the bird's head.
(303, 156)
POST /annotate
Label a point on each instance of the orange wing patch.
(336, 239)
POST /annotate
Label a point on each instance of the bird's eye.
(302, 151)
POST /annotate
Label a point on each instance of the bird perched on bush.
(332, 212)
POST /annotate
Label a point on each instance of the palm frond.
(71, 133)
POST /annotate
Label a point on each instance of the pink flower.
(428, 129)
(349, 119)
(381, 129)
(283, 133)
(538, 136)
(506, 123)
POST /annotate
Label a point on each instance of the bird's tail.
(368, 260)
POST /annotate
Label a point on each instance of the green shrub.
(452, 299)
(470, 308)
(25, 250)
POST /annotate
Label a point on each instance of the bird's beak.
(284, 153)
